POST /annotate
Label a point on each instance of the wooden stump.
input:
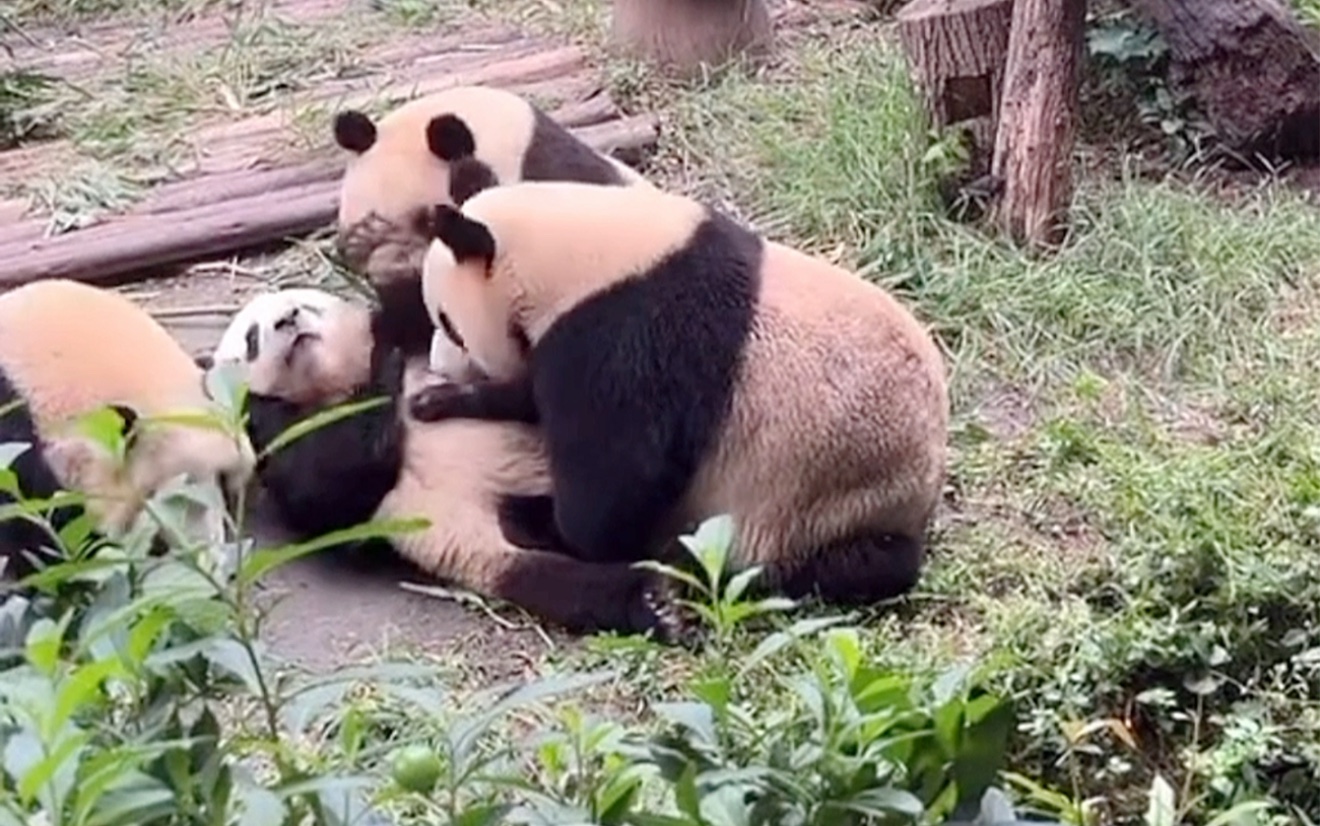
(956, 50)
(682, 35)
(1038, 120)
(1251, 66)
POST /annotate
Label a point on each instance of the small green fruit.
(416, 768)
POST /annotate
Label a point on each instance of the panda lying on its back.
(68, 349)
(306, 352)
(443, 148)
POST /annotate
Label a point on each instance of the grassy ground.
(1132, 518)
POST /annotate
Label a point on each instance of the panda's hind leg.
(528, 521)
(861, 570)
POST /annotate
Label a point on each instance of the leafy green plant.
(120, 665)
(719, 600)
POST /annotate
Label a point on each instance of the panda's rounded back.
(842, 383)
(69, 348)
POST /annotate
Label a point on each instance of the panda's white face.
(296, 343)
(268, 318)
(469, 313)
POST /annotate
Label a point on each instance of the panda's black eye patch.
(286, 321)
(253, 342)
(450, 332)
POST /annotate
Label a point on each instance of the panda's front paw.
(654, 608)
(439, 401)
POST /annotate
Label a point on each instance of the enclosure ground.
(1131, 526)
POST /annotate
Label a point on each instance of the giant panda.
(302, 353)
(681, 367)
(443, 147)
(69, 349)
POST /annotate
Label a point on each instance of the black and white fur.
(483, 486)
(444, 147)
(68, 350)
(680, 367)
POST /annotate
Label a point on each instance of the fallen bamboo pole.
(144, 241)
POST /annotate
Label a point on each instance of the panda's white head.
(504, 266)
(422, 152)
(305, 346)
(312, 347)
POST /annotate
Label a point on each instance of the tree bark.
(1252, 67)
(1038, 120)
(682, 35)
(956, 50)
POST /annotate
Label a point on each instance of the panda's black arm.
(335, 476)
(501, 401)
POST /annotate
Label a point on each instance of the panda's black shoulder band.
(449, 138)
(354, 131)
(466, 239)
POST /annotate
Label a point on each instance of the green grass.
(1134, 488)
(1133, 510)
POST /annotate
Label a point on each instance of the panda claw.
(663, 617)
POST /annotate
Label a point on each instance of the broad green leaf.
(882, 803)
(698, 718)
(739, 582)
(79, 689)
(725, 806)
(231, 656)
(23, 751)
(57, 767)
(845, 645)
(260, 806)
(43, 644)
(716, 532)
(686, 795)
(105, 427)
(1237, 813)
(259, 562)
(145, 800)
(1161, 810)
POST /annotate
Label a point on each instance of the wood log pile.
(249, 184)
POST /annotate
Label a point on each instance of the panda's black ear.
(449, 138)
(466, 239)
(354, 131)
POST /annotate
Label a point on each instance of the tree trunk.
(956, 51)
(1038, 120)
(1252, 67)
(681, 35)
